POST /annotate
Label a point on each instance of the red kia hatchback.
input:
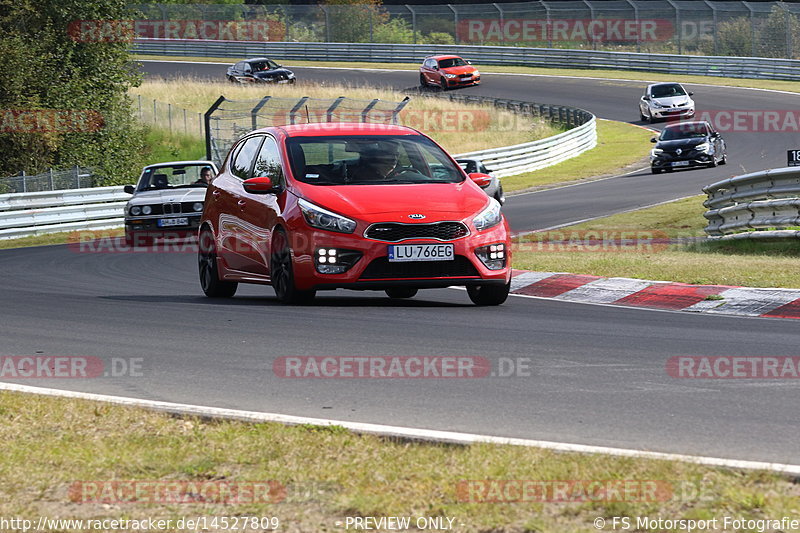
(359, 206)
(448, 71)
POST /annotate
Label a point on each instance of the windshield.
(452, 62)
(370, 159)
(170, 177)
(689, 131)
(665, 91)
(263, 65)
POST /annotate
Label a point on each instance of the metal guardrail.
(724, 66)
(760, 205)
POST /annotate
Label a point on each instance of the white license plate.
(680, 163)
(283, 81)
(168, 222)
(421, 252)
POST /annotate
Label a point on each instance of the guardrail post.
(332, 108)
(207, 118)
(399, 108)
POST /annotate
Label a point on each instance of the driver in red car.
(377, 161)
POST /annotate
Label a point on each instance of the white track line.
(396, 431)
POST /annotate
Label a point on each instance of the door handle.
(215, 194)
(241, 204)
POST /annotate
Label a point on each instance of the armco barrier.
(727, 66)
(767, 202)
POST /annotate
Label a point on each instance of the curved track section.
(596, 374)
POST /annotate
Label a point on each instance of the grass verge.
(328, 474)
(790, 86)
(620, 147)
(748, 264)
(59, 238)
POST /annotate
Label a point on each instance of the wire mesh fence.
(736, 28)
(165, 116)
(52, 180)
(227, 120)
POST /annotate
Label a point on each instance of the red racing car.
(448, 71)
(359, 206)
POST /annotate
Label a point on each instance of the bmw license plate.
(680, 163)
(421, 252)
(168, 222)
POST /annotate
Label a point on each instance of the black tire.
(488, 294)
(500, 195)
(422, 81)
(724, 160)
(443, 83)
(641, 115)
(212, 286)
(713, 162)
(655, 170)
(650, 118)
(282, 273)
(401, 292)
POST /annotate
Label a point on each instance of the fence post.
(455, 22)
(208, 114)
(636, 18)
(714, 16)
(78, 176)
(413, 22)
(155, 110)
(52, 181)
(169, 116)
(678, 29)
(502, 25)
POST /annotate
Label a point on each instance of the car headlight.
(317, 217)
(449, 75)
(489, 217)
(703, 147)
(136, 210)
(476, 73)
(147, 210)
(656, 152)
(291, 74)
(197, 206)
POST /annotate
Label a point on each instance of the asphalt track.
(596, 373)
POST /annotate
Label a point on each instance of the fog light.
(492, 256)
(335, 260)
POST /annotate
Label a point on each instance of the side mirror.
(481, 180)
(469, 62)
(645, 97)
(690, 93)
(261, 185)
(653, 140)
(436, 67)
(130, 189)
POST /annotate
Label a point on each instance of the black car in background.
(259, 70)
(687, 144)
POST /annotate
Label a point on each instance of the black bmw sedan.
(687, 144)
(259, 70)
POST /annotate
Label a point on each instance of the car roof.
(688, 124)
(664, 83)
(322, 129)
(254, 59)
(180, 163)
(443, 56)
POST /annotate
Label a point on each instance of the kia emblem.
(416, 216)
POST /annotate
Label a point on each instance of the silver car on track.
(666, 101)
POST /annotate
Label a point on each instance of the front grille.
(396, 232)
(464, 76)
(382, 268)
(171, 209)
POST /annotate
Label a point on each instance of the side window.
(268, 162)
(239, 66)
(244, 159)
(247, 67)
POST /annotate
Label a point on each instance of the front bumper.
(149, 226)
(672, 112)
(699, 159)
(373, 270)
(463, 82)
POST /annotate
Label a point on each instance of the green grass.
(750, 264)
(165, 146)
(50, 444)
(58, 238)
(790, 86)
(620, 147)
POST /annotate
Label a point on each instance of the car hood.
(681, 143)
(672, 101)
(466, 69)
(393, 203)
(162, 196)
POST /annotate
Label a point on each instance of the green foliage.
(773, 34)
(395, 30)
(354, 21)
(734, 38)
(44, 68)
(437, 37)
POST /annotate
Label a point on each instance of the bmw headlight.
(136, 210)
(704, 147)
(317, 217)
(449, 76)
(489, 217)
(476, 73)
(197, 206)
(147, 210)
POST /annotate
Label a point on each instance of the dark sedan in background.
(259, 70)
(687, 144)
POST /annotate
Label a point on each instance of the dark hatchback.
(259, 70)
(687, 144)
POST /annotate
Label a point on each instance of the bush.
(395, 30)
(734, 38)
(439, 38)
